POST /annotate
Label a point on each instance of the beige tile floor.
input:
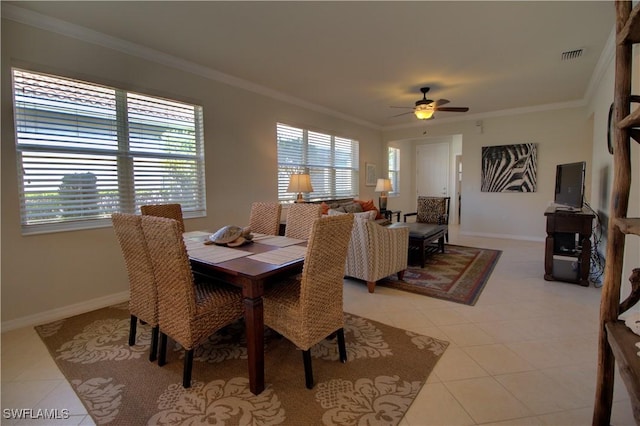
(525, 354)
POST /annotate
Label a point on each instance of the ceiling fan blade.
(400, 107)
(404, 113)
(441, 102)
(453, 109)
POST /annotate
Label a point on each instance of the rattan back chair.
(171, 211)
(265, 218)
(143, 294)
(300, 218)
(308, 308)
(188, 312)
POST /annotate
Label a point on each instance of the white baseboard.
(502, 236)
(65, 312)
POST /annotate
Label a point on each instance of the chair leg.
(188, 365)
(162, 355)
(371, 285)
(308, 371)
(401, 274)
(153, 350)
(342, 348)
(132, 330)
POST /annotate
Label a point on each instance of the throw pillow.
(370, 215)
(368, 205)
(325, 208)
(334, 212)
(352, 208)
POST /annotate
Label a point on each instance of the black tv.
(569, 194)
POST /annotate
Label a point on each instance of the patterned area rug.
(118, 385)
(457, 275)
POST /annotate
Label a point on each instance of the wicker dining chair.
(171, 211)
(265, 218)
(188, 312)
(143, 294)
(308, 308)
(300, 219)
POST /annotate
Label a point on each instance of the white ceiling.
(358, 58)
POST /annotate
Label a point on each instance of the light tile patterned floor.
(524, 355)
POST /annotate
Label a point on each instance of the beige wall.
(42, 273)
(562, 137)
(602, 165)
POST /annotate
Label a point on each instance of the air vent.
(572, 54)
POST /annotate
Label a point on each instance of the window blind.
(331, 162)
(86, 151)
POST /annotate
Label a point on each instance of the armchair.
(375, 252)
(432, 210)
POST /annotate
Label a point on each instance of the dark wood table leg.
(423, 247)
(254, 323)
(441, 243)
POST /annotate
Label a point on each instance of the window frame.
(309, 163)
(136, 142)
(393, 153)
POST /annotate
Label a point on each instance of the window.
(331, 161)
(86, 151)
(394, 170)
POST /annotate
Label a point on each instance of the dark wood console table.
(568, 243)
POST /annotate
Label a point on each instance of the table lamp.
(300, 183)
(383, 186)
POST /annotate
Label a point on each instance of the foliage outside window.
(86, 151)
(394, 170)
(331, 162)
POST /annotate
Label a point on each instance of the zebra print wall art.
(509, 168)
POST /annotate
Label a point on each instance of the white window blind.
(394, 170)
(331, 161)
(86, 151)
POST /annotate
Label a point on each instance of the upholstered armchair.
(375, 252)
(432, 210)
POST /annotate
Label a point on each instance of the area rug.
(117, 384)
(457, 275)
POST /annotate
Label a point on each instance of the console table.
(568, 243)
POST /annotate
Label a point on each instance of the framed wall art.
(509, 168)
(370, 174)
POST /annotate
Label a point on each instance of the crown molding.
(491, 114)
(88, 35)
(604, 62)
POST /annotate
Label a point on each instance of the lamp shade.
(383, 185)
(424, 111)
(300, 183)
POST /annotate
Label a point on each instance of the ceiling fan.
(425, 108)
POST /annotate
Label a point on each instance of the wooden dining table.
(252, 276)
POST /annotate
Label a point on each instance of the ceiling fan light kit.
(424, 112)
(425, 108)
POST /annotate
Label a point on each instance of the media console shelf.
(568, 246)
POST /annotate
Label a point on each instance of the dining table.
(264, 261)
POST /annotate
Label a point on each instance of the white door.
(432, 161)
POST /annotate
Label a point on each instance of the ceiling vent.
(572, 54)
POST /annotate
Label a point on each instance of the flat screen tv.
(569, 192)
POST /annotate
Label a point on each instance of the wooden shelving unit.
(617, 341)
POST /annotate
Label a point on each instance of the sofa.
(350, 205)
(375, 251)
